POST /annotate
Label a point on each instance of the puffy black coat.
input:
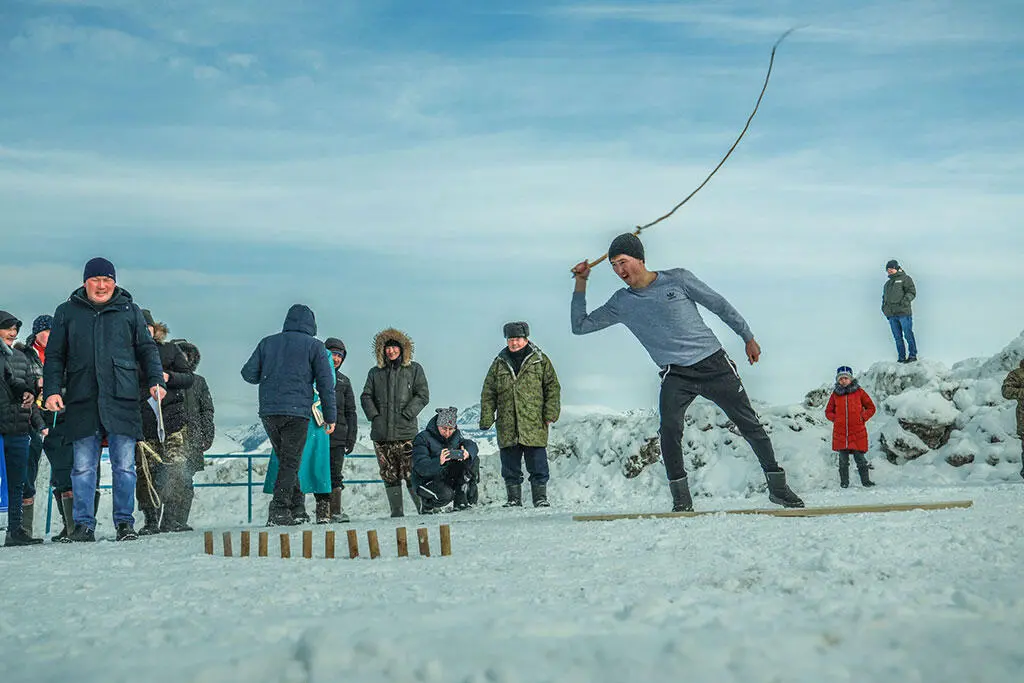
(199, 411)
(97, 356)
(286, 364)
(347, 429)
(394, 393)
(50, 420)
(179, 378)
(16, 378)
(427, 447)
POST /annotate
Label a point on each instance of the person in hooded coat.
(286, 365)
(849, 408)
(394, 394)
(199, 434)
(444, 464)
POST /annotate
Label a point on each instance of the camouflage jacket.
(1013, 388)
(525, 403)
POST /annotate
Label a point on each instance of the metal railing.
(249, 483)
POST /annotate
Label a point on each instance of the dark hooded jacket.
(16, 379)
(198, 410)
(897, 294)
(427, 447)
(345, 432)
(394, 393)
(179, 378)
(285, 366)
(98, 356)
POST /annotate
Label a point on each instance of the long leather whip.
(771, 62)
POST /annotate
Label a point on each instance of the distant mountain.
(248, 437)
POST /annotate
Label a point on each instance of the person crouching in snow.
(445, 465)
(849, 409)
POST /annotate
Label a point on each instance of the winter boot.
(96, 503)
(152, 525)
(183, 513)
(844, 476)
(17, 536)
(395, 500)
(416, 500)
(337, 512)
(126, 532)
(299, 507)
(779, 492)
(28, 515)
(681, 499)
(277, 517)
(323, 510)
(865, 480)
(539, 494)
(82, 534)
(460, 501)
(66, 504)
(515, 495)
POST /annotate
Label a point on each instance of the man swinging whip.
(660, 309)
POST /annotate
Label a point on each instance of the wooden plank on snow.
(785, 512)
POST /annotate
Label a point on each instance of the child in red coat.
(849, 408)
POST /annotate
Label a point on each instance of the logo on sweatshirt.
(671, 295)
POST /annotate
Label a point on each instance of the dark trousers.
(61, 455)
(337, 463)
(16, 461)
(288, 436)
(536, 458)
(457, 481)
(858, 457)
(715, 378)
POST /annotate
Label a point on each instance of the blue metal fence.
(248, 483)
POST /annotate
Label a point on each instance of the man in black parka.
(98, 353)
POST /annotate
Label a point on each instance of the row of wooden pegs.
(372, 541)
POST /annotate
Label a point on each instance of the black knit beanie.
(626, 244)
(99, 267)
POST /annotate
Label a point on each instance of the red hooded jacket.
(849, 408)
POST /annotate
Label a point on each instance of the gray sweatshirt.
(664, 317)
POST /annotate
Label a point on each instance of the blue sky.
(439, 166)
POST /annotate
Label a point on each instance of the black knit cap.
(335, 345)
(626, 244)
(99, 267)
(42, 323)
(519, 328)
(893, 263)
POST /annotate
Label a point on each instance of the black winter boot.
(865, 480)
(417, 502)
(539, 494)
(515, 495)
(395, 500)
(681, 499)
(844, 476)
(152, 525)
(82, 534)
(28, 516)
(779, 491)
(323, 510)
(65, 505)
(16, 536)
(337, 512)
(126, 532)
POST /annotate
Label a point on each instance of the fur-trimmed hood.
(382, 337)
(191, 352)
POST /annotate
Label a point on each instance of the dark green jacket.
(525, 404)
(898, 293)
(95, 356)
(393, 396)
(1013, 388)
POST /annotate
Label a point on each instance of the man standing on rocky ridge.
(897, 294)
(1013, 388)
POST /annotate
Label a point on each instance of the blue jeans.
(16, 465)
(903, 326)
(536, 464)
(83, 477)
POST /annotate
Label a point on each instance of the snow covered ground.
(530, 595)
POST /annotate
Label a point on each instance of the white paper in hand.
(155, 405)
